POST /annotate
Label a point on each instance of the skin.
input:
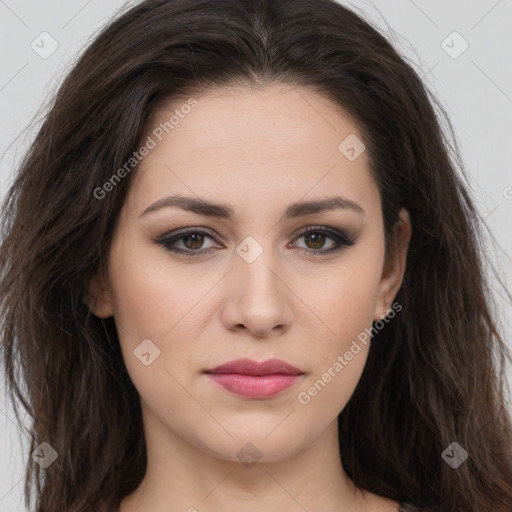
(258, 151)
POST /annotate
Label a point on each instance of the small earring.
(385, 311)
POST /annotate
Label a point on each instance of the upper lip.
(251, 367)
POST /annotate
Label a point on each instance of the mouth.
(253, 379)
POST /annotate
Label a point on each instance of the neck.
(182, 478)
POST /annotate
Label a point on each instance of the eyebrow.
(224, 211)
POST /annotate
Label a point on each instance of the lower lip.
(254, 386)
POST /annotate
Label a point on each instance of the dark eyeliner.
(340, 238)
(166, 240)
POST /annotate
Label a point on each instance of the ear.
(97, 296)
(394, 266)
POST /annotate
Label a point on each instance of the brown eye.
(316, 237)
(192, 242)
(315, 240)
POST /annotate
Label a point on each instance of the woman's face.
(245, 286)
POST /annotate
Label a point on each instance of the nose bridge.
(255, 268)
(260, 296)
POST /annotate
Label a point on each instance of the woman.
(240, 270)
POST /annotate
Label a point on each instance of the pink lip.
(253, 379)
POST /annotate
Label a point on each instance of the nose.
(257, 298)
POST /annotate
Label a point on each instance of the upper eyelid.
(207, 231)
(330, 232)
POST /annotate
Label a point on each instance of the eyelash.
(342, 239)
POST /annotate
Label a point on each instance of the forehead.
(243, 116)
(246, 142)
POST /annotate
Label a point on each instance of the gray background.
(474, 87)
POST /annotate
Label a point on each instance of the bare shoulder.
(376, 503)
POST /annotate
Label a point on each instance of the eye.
(315, 237)
(192, 241)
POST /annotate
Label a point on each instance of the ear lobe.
(394, 266)
(97, 297)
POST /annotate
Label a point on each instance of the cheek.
(152, 295)
(145, 306)
(345, 303)
(326, 393)
(161, 302)
(346, 308)
(152, 314)
(347, 297)
(338, 359)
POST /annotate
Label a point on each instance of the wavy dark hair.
(434, 375)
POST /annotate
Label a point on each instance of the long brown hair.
(434, 375)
